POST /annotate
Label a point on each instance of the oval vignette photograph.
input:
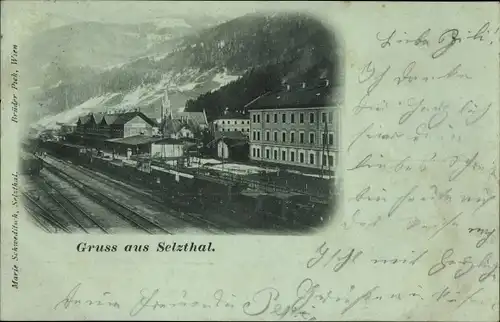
(220, 125)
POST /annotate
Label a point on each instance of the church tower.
(166, 107)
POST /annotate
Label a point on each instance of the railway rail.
(127, 213)
(230, 178)
(158, 199)
(40, 221)
(155, 197)
(43, 216)
(79, 216)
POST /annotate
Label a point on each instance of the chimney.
(327, 83)
(303, 85)
(288, 87)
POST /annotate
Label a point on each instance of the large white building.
(297, 127)
(230, 122)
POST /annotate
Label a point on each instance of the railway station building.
(297, 127)
(115, 125)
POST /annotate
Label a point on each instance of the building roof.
(72, 145)
(173, 126)
(169, 141)
(318, 96)
(84, 119)
(229, 137)
(233, 116)
(134, 140)
(197, 118)
(120, 118)
(126, 117)
(110, 118)
(98, 117)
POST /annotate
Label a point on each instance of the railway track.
(43, 216)
(127, 213)
(40, 221)
(80, 217)
(160, 200)
(151, 196)
(157, 198)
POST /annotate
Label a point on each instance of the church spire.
(166, 105)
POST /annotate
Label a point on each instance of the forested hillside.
(288, 48)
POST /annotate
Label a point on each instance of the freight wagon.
(30, 164)
(209, 198)
(66, 150)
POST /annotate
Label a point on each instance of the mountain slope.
(253, 52)
(95, 45)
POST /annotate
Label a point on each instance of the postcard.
(178, 160)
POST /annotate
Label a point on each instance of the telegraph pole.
(324, 158)
(328, 149)
(165, 104)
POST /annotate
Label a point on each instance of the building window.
(323, 117)
(275, 154)
(254, 118)
(268, 134)
(258, 152)
(258, 135)
(301, 157)
(301, 140)
(248, 130)
(311, 158)
(283, 155)
(283, 137)
(301, 118)
(330, 160)
(275, 118)
(311, 117)
(311, 138)
(242, 122)
(283, 118)
(275, 136)
(253, 152)
(267, 153)
(323, 138)
(324, 160)
(258, 118)
(330, 117)
(267, 118)
(292, 118)
(254, 136)
(330, 139)
(292, 156)
(292, 137)
(248, 122)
